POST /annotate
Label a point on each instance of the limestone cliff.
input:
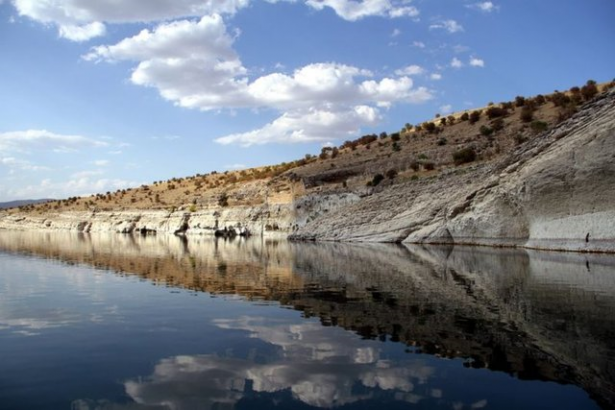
(557, 192)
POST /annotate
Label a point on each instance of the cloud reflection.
(319, 366)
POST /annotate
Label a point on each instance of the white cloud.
(80, 20)
(21, 141)
(82, 33)
(435, 76)
(193, 64)
(78, 185)
(396, 32)
(14, 163)
(307, 126)
(485, 6)
(446, 109)
(456, 63)
(477, 62)
(410, 70)
(101, 162)
(356, 10)
(449, 25)
(235, 166)
(418, 44)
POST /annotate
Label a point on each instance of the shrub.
(527, 113)
(441, 141)
(465, 116)
(223, 200)
(497, 124)
(486, 131)
(415, 166)
(495, 112)
(539, 126)
(474, 116)
(396, 147)
(430, 127)
(589, 90)
(391, 173)
(429, 166)
(377, 179)
(395, 136)
(519, 101)
(464, 155)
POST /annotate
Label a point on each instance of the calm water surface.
(121, 322)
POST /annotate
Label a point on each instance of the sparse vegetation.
(404, 154)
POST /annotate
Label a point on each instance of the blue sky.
(100, 95)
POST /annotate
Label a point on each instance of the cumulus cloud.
(81, 20)
(307, 126)
(82, 33)
(436, 76)
(449, 25)
(193, 64)
(477, 62)
(456, 63)
(418, 44)
(485, 6)
(352, 10)
(411, 70)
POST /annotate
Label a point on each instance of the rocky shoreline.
(555, 192)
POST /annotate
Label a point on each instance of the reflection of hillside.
(536, 315)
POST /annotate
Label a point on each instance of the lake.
(165, 322)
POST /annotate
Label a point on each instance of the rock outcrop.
(556, 191)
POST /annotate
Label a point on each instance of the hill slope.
(532, 172)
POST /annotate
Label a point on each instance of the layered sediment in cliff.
(556, 191)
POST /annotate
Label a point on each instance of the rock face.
(555, 192)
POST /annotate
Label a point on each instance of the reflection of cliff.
(535, 315)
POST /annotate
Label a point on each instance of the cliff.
(554, 191)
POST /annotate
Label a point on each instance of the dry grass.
(415, 154)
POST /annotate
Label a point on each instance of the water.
(121, 322)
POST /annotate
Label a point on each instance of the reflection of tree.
(534, 315)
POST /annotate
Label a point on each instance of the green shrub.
(539, 126)
(464, 155)
(486, 131)
(465, 116)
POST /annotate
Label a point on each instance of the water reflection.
(534, 315)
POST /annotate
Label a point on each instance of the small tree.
(465, 116)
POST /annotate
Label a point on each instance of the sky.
(101, 95)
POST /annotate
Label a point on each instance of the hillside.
(23, 202)
(369, 189)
